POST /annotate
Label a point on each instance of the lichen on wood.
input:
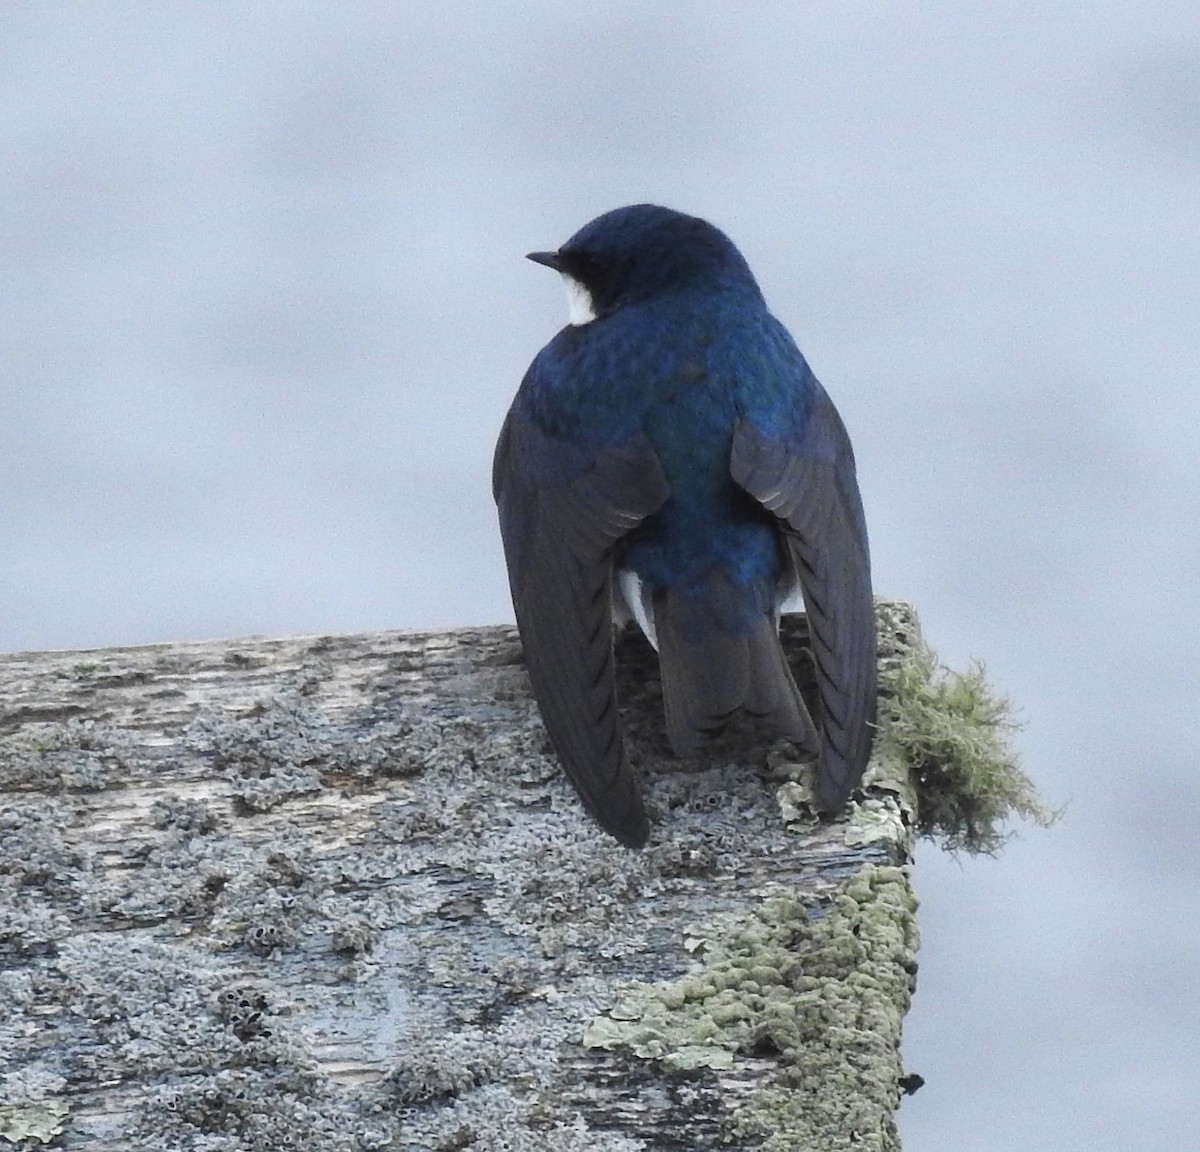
(335, 891)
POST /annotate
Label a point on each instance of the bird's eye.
(592, 267)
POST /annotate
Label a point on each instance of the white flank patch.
(788, 597)
(579, 302)
(632, 601)
(630, 587)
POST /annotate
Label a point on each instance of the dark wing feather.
(809, 484)
(562, 509)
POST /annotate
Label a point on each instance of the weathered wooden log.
(333, 893)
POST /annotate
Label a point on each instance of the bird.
(670, 456)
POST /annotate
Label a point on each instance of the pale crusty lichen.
(821, 989)
(32, 1111)
(30, 1124)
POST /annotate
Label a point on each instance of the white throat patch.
(579, 302)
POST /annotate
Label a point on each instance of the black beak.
(550, 259)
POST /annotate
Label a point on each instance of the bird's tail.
(715, 663)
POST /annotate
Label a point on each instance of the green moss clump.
(952, 730)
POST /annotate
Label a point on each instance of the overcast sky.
(264, 306)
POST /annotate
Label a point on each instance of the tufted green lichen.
(952, 731)
(820, 989)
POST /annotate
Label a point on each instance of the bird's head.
(631, 255)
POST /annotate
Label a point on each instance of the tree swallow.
(670, 456)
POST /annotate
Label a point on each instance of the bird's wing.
(562, 510)
(808, 482)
